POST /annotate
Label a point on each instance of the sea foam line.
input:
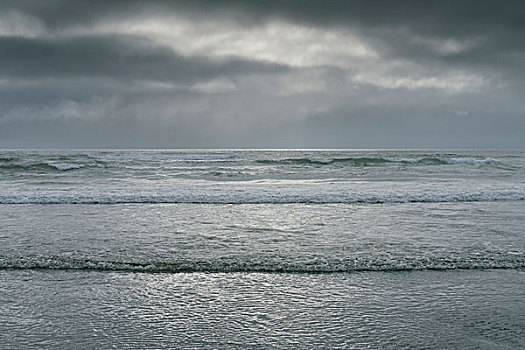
(290, 199)
(229, 266)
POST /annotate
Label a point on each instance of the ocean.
(303, 249)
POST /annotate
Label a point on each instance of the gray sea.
(281, 249)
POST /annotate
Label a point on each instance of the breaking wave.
(253, 197)
(473, 161)
(161, 157)
(376, 161)
(222, 265)
(44, 166)
(188, 164)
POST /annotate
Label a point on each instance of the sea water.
(262, 249)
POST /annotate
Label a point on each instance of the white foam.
(160, 157)
(471, 161)
(261, 264)
(282, 192)
(65, 166)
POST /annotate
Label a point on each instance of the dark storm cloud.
(447, 17)
(438, 19)
(495, 30)
(285, 73)
(112, 56)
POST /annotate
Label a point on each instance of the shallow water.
(475, 309)
(263, 237)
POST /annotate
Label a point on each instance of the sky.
(262, 74)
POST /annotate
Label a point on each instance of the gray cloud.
(120, 57)
(262, 74)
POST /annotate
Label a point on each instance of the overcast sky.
(262, 74)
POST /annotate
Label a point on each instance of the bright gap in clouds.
(293, 45)
(274, 41)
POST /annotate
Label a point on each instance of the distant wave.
(43, 166)
(114, 161)
(159, 157)
(376, 161)
(351, 160)
(66, 166)
(473, 161)
(126, 163)
(272, 266)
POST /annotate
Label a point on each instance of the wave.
(66, 166)
(224, 265)
(125, 163)
(165, 162)
(377, 161)
(473, 161)
(162, 157)
(427, 196)
(353, 160)
(43, 166)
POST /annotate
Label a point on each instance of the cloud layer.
(275, 74)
